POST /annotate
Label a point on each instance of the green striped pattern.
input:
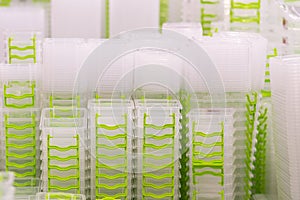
(211, 163)
(153, 164)
(207, 16)
(12, 98)
(164, 12)
(111, 146)
(259, 171)
(20, 147)
(267, 91)
(185, 100)
(14, 49)
(250, 127)
(20, 131)
(236, 5)
(70, 181)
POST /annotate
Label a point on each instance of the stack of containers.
(19, 125)
(263, 140)
(7, 190)
(270, 169)
(63, 146)
(64, 125)
(256, 111)
(234, 66)
(242, 71)
(245, 15)
(158, 148)
(212, 157)
(258, 51)
(62, 59)
(285, 100)
(61, 62)
(250, 142)
(111, 134)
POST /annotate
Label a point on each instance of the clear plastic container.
(111, 135)
(158, 148)
(63, 151)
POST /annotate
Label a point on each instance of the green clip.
(241, 5)
(206, 20)
(163, 12)
(15, 97)
(245, 6)
(267, 92)
(12, 48)
(209, 2)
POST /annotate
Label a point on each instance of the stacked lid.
(285, 79)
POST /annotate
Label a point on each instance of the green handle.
(12, 48)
